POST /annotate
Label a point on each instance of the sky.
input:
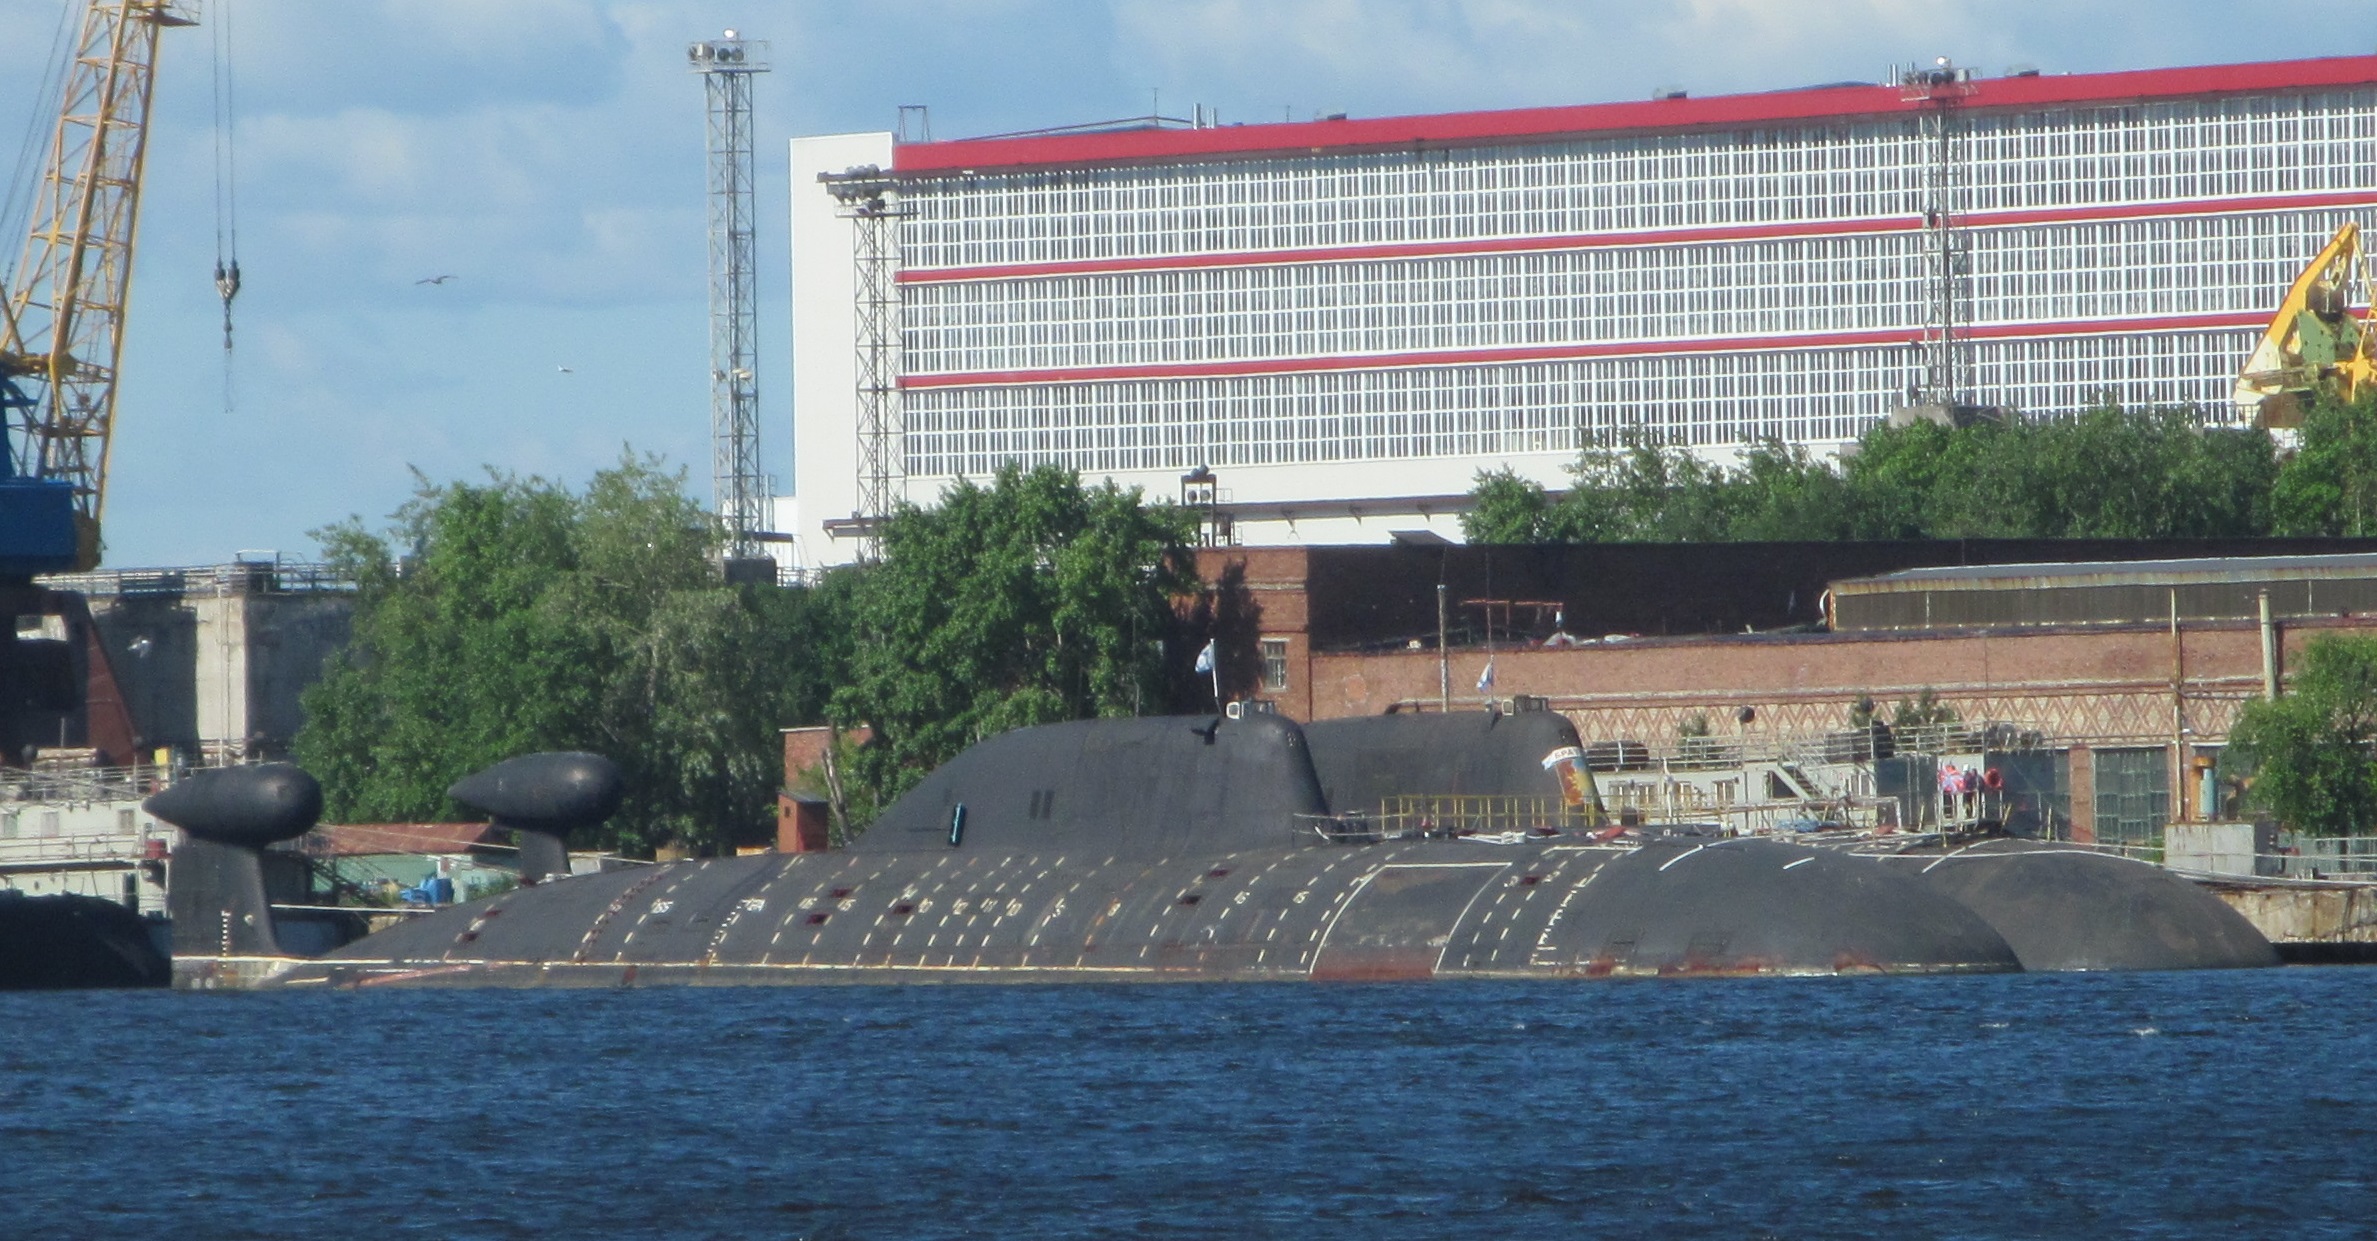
(548, 155)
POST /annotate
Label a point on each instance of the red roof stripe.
(1716, 111)
(1652, 237)
(1547, 353)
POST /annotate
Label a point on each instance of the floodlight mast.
(1939, 93)
(739, 489)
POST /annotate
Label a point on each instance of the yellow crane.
(62, 324)
(2314, 342)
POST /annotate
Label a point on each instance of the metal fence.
(82, 786)
(1412, 817)
(243, 577)
(1859, 745)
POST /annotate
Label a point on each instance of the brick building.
(1633, 642)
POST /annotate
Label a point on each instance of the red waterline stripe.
(1549, 353)
(1657, 237)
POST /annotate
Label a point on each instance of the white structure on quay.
(1347, 319)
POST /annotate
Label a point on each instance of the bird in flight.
(565, 370)
(434, 279)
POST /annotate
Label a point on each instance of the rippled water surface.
(2175, 1105)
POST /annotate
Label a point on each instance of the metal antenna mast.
(738, 489)
(1942, 90)
(869, 199)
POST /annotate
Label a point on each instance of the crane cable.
(226, 184)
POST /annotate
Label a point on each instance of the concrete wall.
(218, 674)
(824, 344)
(2306, 915)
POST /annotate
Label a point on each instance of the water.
(2150, 1105)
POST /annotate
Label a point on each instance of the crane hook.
(227, 284)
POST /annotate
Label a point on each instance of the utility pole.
(739, 490)
(1444, 658)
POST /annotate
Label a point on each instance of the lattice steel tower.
(870, 200)
(1941, 90)
(739, 489)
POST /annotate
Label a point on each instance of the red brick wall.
(1810, 680)
(1268, 588)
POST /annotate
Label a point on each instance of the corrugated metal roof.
(2228, 569)
(356, 839)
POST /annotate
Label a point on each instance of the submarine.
(1398, 847)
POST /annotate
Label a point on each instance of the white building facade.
(1346, 320)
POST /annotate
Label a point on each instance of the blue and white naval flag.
(1485, 680)
(1205, 657)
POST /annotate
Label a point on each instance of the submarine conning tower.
(1151, 786)
(1365, 762)
(543, 798)
(230, 814)
(1163, 785)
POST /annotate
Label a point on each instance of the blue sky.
(548, 154)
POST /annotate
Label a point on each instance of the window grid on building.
(1691, 342)
(2062, 273)
(1854, 169)
(1713, 400)
(1275, 664)
(2133, 795)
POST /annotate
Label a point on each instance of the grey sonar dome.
(553, 792)
(247, 806)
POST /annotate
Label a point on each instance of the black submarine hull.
(69, 942)
(2065, 909)
(1234, 849)
(1419, 910)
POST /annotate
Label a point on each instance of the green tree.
(2310, 752)
(1894, 478)
(2329, 485)
(500, 618)
(1505, 507)
(2107, 473)
(1783, 494)
(1032, 600)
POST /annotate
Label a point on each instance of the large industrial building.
(1346, 319)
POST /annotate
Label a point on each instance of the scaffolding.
(739, 489)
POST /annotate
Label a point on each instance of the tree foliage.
(2107, 473)
(499, 618)
(2329, 485)
(2311, 751)
(1031, 600)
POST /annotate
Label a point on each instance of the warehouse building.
(1344, 320)
(2120, 665)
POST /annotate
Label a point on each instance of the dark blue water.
(2157, 1105)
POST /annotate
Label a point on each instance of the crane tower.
(739, 488)
(62, 314)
